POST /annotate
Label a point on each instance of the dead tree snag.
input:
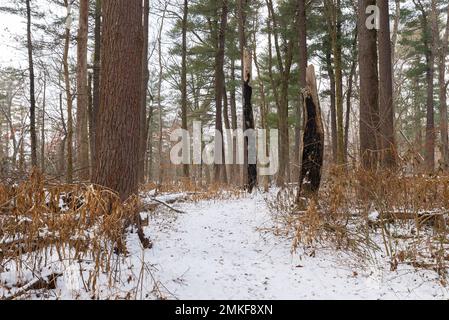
(248, 124)
(313, 138)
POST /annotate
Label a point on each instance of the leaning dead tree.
(313, 138)
(248, 124)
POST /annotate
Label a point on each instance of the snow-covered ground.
(222, 250)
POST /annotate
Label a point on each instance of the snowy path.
(215, 251)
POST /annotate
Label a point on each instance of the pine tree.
(120, 97)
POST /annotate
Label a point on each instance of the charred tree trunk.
(313, 138)
(248, 124)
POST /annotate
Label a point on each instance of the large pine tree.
(120, 97)
(369, 88)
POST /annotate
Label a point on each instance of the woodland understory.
(93, 206)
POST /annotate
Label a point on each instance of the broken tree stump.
(248, 124)
(313, 139)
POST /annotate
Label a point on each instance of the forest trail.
(221, 250)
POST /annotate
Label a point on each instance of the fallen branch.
(167, 205)
(48, 282)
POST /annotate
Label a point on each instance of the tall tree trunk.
(143, 105)
(32, 88)
(219, 168)
(227, 126)
(427, 37)
(82, 137)
(302, 44)
(349, 94)
(284, 70)
(443, 92)
(369, 90)
(313, 139)
(264, 109)
(185, 167)
(242, 6)
(120, 102)
(90, 119)
(333, 111)
(441, 49)
(233, 106)
(338, 82)
(96, 83)
(430, 122)
(159, 98)
(386, 107)
(69, 98)
(394, 36)
(248, 124)
(333, 13)
(44, 102)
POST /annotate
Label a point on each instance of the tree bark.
(349, 95)
(369, 90)
(69, 98)
(219, 167)
(302, 44)
(441, 46)
(427, 37)
(96, 83)
(82, 137)
(313, 139)
(90, 118)
(241, 13)
(284, 70)
(248, 124)
(265, 111)
(333, 111)
(159, 98)
(33, 135)
(44, 102)
(185, 167)
(386, 107)
(143, 108)
(333, 12)
(233, 106)
(120, 97)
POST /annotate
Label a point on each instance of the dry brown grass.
(411, 228)
(44, 223)
(79, 222)
(195, 191)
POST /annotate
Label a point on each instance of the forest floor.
(216, 249)
(225, 249)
